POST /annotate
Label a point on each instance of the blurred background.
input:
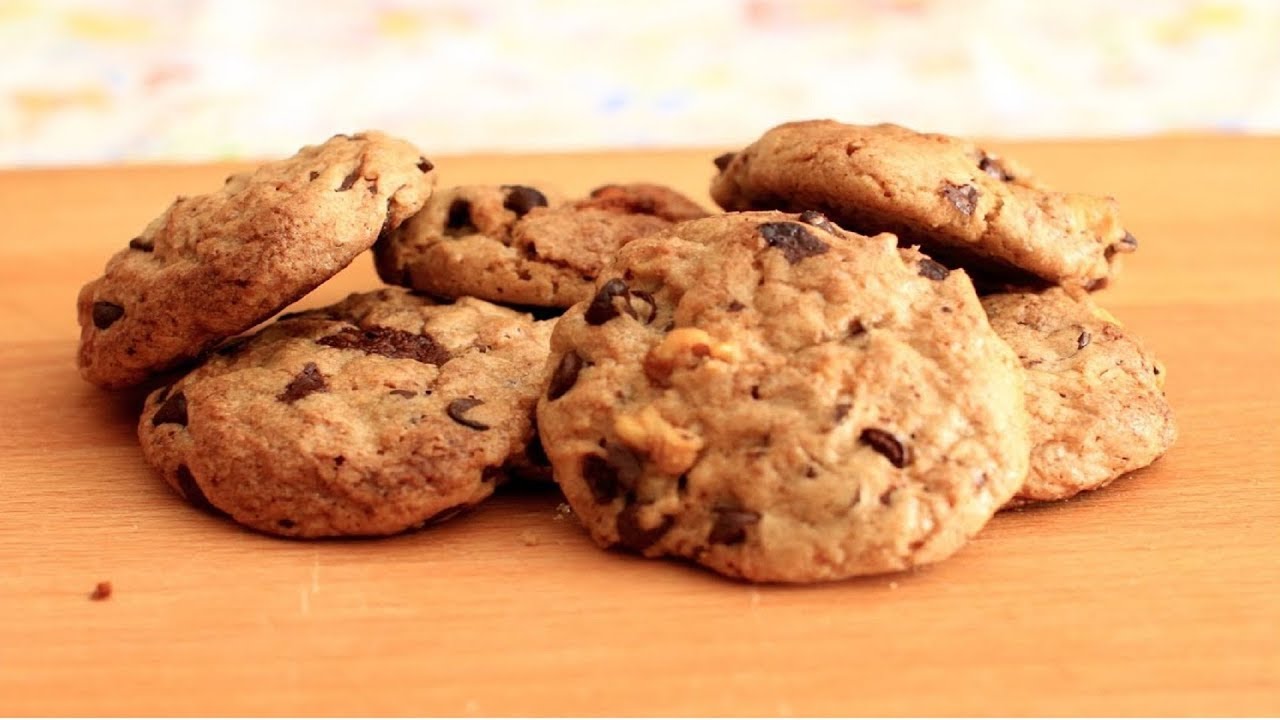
(180, 80)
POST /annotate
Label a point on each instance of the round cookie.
(782, 401)
(963, 206)
(514, 244)
(215, 265)
(367, 417)
(1095, 396)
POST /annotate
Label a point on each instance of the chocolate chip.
(887, 445)
(521, 199)
(457, 411)
(1129, 240)
(963, 197)
(403, 393)
(425, 165)
(793, 239)
(192, 492)
(174, 410)
(601, 478)
(349, 181)
(722, 161)
(565, 375)
(856, 327)
(458, 219)
(842, 410)
(388, 342)
(286, 523)
(601, 309)
(142, 244)
(933, 269)
(105, 314)
(1083, 340)
(736, 306)
(818, 220)
(993, 167)
(633, 536)
(730, 527)
(647, 299)
(309, 381)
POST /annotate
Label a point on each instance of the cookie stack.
(886, 339)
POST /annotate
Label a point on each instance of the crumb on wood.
(563, 511)
(529, 537)
(101, 591)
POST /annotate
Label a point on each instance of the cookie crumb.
(529, 538)
(563, 511)
(101, 591)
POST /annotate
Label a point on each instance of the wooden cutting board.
(1158, 595)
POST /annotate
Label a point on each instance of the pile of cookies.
(885, 339)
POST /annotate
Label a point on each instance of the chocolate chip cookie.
(963, 206)
(780, 400)
(516, 244)
(215, 265)
(368, 417)
(1094, 395)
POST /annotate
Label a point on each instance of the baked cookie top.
(367, 417)
(1095, 396)
(215, 265)
(516, 244)
(962, 205)
(780, 400)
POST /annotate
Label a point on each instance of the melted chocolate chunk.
(349, 181)
(174, 410)
(818, 220)
(731, 525)
(105, 314)
(388, 342)
(963, 197)
(142, 244)
(722, 161)
(458, 409)
(601, 310)
(458, 219)
(425, 165)
(793, 239)
(192, 492)
(933, 269)
(403, 393)
(633, 536)
(887, 445)
(1083, 340)
(565, 375)
(309, 381)
(993, 167)
(601, 478)
(736, 306)
(521, 199)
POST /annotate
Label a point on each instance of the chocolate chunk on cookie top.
(1095, 395)
(780, 400)
(964, 206)
(368, 417)
(523, 245)
(215, 265)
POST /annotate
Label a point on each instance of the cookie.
(515, 244)
(215, 265)
(779, 400)
(369, 417)
(1095, 396)
(962, 205)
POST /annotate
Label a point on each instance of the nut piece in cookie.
(1095, 396)
(521, 245)
(962, 205)
(378, 414)
(215, 265)
(780, 400)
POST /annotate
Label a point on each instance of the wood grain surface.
(1158, 595)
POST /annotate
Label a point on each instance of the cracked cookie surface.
(780, 400)
(1095, 396)
(516, 244)
(368, 417)
(963, 206)
(215, 265)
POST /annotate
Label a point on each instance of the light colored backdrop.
(158, 80)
